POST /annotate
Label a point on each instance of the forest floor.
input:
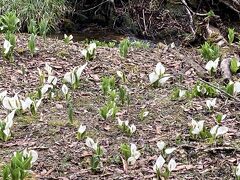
(62, 156)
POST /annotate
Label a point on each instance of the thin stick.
(222, 91)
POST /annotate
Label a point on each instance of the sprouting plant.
(97, 154)
(32, 44)
(32, 27)
(73, 77)
(231, 35)
(89, 53)
(143, 114)
(112, 94)
(107, 84)
(217, 131)
(220, 118)
(210, 51)
(122, 76)
(123, 95)
(123, 47)
(9, 45)
(237, 171)
(41, 75)
(81, 133)
(158, 168)
(130, 153)
(158, 76)
(203, 90)
(234, 65)
(11, 103)
(211, 104)
(198, 129)
(210, 13)
(211, 66)
(20, 165)
(179, 93)
(43, 27)
(9, 22)
(162, 147)
(140, 44)
(109, 110)
(65, 92)
(233, 88)
(67, 39)
(125, 127)
(5, 126)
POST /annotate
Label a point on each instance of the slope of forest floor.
(62, 156)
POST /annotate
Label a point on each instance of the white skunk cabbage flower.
(80, 70)
(158, 164)
(52, 80)
(65, 89)
(45, 88)
(218, 131)
(26, 104)
(211, 66)
(6, 45)
(132, 128)
(2, 95)
(172, 165)
(181, 93)
(82, 129)
(158, 74)
(48, 68)
(211, 103)
(197, 126)
(170, 150)
(33, 154)
(11, 103)
(9, 120)
(236, 87)
(135, 154)
(70, 77)
(91, 144)
(91, 48)
(161, 145)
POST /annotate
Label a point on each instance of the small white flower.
(120, 122)
(65, 89)
(82, 129)
(170, 150)
(161, 145)
(9, 120)
(34, 156)
(120, 74)
(92, 47)
(212, 65)
(153, 77)
(181, 93)
(80, 70)
(145, 114)
(159, 164)
(213, 130)
(84, 52)
(48, 69)
(11, 103)
(172, 165)
(236, 87)
(70, 77)
(221, 131)
(160, 69)
(211, 103)
(45, 88)
(197, 126)
(52, 80)
(238, 170)
(132, 128)
(6, 45)
(163, 80)
(26, 104)
(90, 143)
(135, 154)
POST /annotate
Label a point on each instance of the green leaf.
(234, 65)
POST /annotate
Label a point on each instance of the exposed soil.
(62, 156)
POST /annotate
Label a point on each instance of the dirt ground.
(62, 156)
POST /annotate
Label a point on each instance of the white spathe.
(82, 129)
(159, 164)
(172, 165)
(211, 103)
(161, 145)
(6, 45)
(91, 144)
(26, 104)
(135, 154)
(197, 126)
(170, 150)
(48, 68)
(212, 65)
(64, 89)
